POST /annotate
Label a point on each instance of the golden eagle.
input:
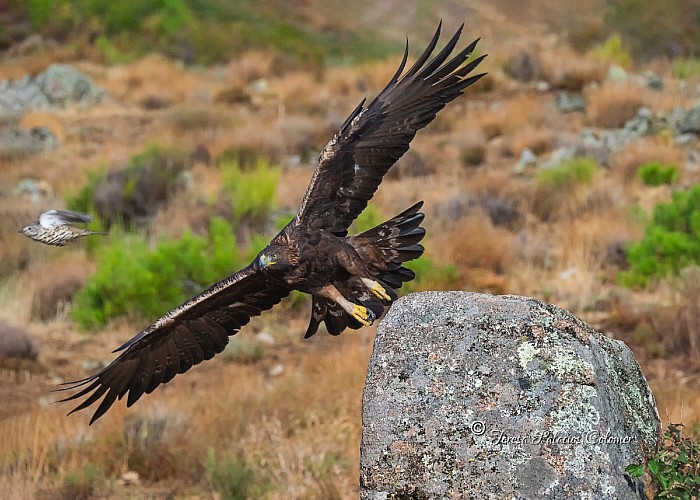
(352, 279)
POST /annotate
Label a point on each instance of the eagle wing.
(189, 334)
(53, 218)
(352, 164)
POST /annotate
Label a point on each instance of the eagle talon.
(380, 292)
(363, 315)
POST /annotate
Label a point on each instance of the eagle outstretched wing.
(352, 164)
(182, 338)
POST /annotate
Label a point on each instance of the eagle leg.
(361, 313)
(377, 290)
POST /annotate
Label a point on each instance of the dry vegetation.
(280, 418)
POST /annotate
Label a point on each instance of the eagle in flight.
(352, 279)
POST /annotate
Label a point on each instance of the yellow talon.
(380, 292)
(361, 314)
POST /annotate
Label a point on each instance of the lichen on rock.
(476, 396)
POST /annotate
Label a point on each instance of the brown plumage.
(54, 227)
(352, 279)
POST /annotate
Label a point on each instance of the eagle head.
(277, 257)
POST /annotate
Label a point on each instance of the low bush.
(431, 276)
(251, 191)
(675, 467)
(671, 240)
(82, 482)
(657, 174)
(685, 68)
(568, 174)
(135, 192)
(231, 477)
(613, 51)
(133, 279)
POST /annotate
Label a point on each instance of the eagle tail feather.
(385, 248)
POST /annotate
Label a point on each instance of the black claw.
(370, 315)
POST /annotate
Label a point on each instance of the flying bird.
(54, 227)
(352, 279)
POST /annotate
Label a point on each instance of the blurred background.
(190, 128)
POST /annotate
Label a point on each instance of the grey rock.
(558, 156)
(17, 142)
(568, 103)
(475, 396)
(57, 87)
(686, 139)
(653, 81)
(690, 122)
(527, 159)
(15, 342)
(63, 85)
(641, 124)
(616, 74)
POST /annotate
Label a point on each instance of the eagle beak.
(264, 262)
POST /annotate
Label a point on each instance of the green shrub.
(568, 174)
(671, 241)
(685, 68)
(243, 351)
(431, 276)
(202, 31)
(656, 174)
(652, 28)
(368, 218)
(82, 483)
(252, 191)
(232, 477)
(675, 467)
(613, 51)
(135, 280)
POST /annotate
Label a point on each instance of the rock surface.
(477, 396)
(57, 87)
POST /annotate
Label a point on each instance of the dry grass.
(613, 104)
(565, 69)
(491, 251)
(626, 162)
(298, 431)
(537, 140)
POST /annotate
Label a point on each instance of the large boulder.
(476, 396)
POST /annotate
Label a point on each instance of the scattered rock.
(33, 189)
(690, 123)
(15, 342)
(17, 142)
(652, 80)
(568, 102)
(527, 159)
(475, 396)
(57, 87)
(64, 85)
(641, 124)
(616, 74)
(558, 156)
